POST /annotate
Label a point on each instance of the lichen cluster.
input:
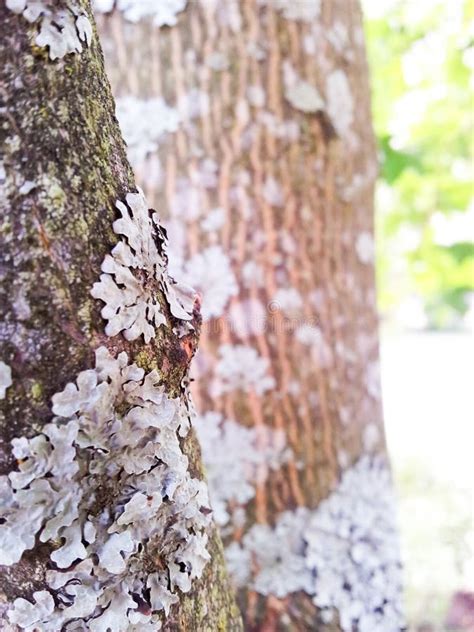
(62, 30)
(135, 275)
(107, 486)
(237, 458)
(345, 553)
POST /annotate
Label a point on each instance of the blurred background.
(421, 57)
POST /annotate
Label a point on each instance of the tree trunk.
(248, 124)
(104, 523)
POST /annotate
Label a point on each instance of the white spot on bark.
(193, 104)
(5, 378)
(340, 104)
(214, 220)
(312, 336)
(288, 299)
(272, 192)
(345, 553)
(162, 12)
(247, 317)
(240, 367)
(252, 274)
(365, 248)
(210, 272)
(373, 380)
(217, 61)
(287, 130)
(144, 123)
(252, 453)
(256, 96)
(370, 437)
(299, 93)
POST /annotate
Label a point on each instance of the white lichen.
(144, 122)
(256, 96)
(353, 550)
(214, 220)
(135, 275)
(299, 92)
(303, 96)
(210, 273)
(107, 485)
(371, 437)
(365, 248)
(252, 453)
(272, 192)
(247, 318)
(288, 300)
(162, 12)
(345, 553)
(313, 337)
(5, 378)
(62, 30)
(241, 367)
(193, 104)
(287, 130)
(340, 103)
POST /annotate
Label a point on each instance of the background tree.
(248, 123)
(105, 523)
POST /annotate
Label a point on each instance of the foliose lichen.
(345, 553)
(106, 485)
(253, 452)
(241, 367)
(62, 30)
(210, 273)
(143, 123)
(135, 276)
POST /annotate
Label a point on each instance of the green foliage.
(421, 57)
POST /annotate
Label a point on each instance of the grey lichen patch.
(135, 275)
(119, 562)
(5, 378)
(300, 93)
(62, 29)
(253, 453)
(345, 553)
(340, 102)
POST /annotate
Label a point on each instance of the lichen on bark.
(63, 167)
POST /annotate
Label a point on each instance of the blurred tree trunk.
(63, 167)
(248, 124)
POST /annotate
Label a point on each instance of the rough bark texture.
(290, 170)
(58, 131)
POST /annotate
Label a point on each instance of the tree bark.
(91, 418)
(248, 123)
